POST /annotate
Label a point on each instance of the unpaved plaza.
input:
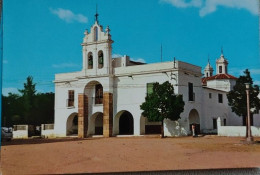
(72, 155)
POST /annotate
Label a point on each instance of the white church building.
(104, 97)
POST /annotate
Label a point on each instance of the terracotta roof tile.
(217, 77)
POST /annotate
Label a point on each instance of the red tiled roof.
(217, 77)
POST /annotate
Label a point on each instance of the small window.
(225, 122)
(190, 91)
(90, 60)
(149, 87)
(70, 101)
(220, 98)
(214, 123)
(210, 73)
(99, 94)
(220, 69)
(207, 74)
(210, 95)
(226, 69)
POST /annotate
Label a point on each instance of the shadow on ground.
(42, 140)
(229, 171)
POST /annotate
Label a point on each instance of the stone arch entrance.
(194, 119)
(72, 125)
(126, 123)
(94, 91)
(96, 124)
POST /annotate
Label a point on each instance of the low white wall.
(175, 128)
(237, 131)
(20, 131)
(47, 130)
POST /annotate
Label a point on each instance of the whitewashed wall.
(236, 131)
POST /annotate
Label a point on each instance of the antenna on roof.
(208, 58)
(96, 15)
(222, 50)
(161, 52)
(174, 62)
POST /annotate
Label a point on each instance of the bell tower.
(221, 64)
(208, 71)
(97, 50)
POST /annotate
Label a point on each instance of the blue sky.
(43, 37)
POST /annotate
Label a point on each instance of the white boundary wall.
(237, 131)
(47, 130)
(20, 131)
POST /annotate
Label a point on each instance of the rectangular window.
(220, 98)
(210, 95)
(220, 69)
(225, 122)
(70, 101)
(214, 123)
(149, 88)
(190, 91)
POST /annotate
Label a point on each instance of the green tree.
(28, 96)
(28, 107)
(162, 104)
(44, 107)
(12, 110)
(237, 98)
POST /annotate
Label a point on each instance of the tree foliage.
(162, 104)
(28, 107)
(237, 98)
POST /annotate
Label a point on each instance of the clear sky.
(43, 37)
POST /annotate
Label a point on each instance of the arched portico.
(94, 91)
(96, 124)
(72, 124)
(124, 123)
(92, 95)
(194, 119)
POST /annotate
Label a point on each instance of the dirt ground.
(72, 155)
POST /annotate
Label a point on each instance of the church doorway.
(99, 124)
(194, 119)
(96, 124)
(147, 127)
(72, 125)
(126, 124)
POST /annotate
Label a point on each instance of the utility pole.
(1, 70)
(161, 52)
(249, 136)
(259, 26)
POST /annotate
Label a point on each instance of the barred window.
(190, 92)
(220, 98)
(70, 102)
(149, 88)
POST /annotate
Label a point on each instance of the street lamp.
(249, 136)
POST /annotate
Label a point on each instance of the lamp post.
(249, 136)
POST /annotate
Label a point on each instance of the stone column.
(107, 114)
(82, 115)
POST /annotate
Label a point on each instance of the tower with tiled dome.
(222, 80)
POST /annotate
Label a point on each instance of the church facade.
(104, 97)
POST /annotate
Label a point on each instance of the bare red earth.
(45, 156)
